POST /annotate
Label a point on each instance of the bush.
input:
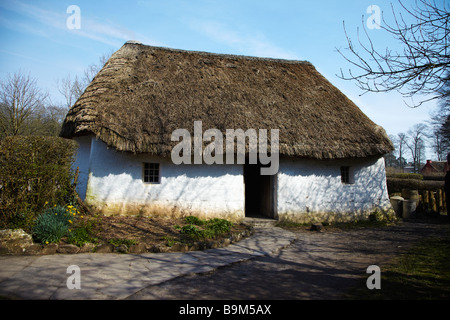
(211, 228)
(82, 233)
(192, 231)
(194, 220)
(396, 185)
(54, 223)
(414, 176)
(34, 170)
(219, 226)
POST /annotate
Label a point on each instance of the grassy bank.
(421, 273)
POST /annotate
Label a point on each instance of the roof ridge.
(134, 43)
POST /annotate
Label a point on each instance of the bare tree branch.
(421, 68)
(20, 99)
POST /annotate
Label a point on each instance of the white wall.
(311, 190)
(82, 162)
(307, 190)
(115, 185)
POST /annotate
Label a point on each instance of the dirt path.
(316, 266)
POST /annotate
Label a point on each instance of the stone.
(138, 248)
(123, 248)
(180, 247)
(87, 247)
(68, 248)
(105, 248)
(14, 241)
(49, 248)
(316, 227)
(34, 249)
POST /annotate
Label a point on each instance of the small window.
(346, 175)
(151, 172)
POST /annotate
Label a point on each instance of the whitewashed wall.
(115, 186)
(82, 162)
(311, 190)
(307, 190)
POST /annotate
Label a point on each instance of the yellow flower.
(70, 221)
(46, 203)
(81, 217)
(46, 242)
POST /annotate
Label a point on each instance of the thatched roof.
(144, 93)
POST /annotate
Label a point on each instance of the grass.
(423, 272)
(198, 229)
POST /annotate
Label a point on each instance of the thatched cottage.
(330, 164)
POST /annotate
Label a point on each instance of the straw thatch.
(144, 93)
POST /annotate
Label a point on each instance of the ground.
(144, 230)
(317, 266)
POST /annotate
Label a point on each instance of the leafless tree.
(73, 88)
(401, 141)
(421, 68)
(439, 134)
(416, 143)
(20, 99)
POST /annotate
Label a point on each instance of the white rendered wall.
(311, 190)
(115, 186)
(307, 190)
(82, 163)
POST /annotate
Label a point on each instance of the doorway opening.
(260, 193)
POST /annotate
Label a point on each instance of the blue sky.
(35, 39)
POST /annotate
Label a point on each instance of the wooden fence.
(432, 201)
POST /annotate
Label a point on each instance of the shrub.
(51, 225)
(194, 220)
(81, 234)
(192, 231)
(219, 226)
(210, 228)
(54, 223)
(413, 176)
(396, 185)
(34, 170)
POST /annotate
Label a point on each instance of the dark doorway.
(260, 195)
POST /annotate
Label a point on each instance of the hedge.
(395, 185)
(34, 171)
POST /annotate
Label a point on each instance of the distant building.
(434, 167)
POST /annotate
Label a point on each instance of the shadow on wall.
(116, 187)
(309, 191)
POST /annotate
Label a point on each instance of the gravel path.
(318, 265)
